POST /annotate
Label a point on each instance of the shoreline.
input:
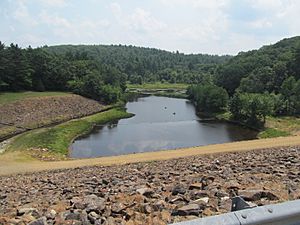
(53, 143)
(64, 109)
(66, 161)
(13, 163)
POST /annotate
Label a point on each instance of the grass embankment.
(170, 94)
(274, 126)
(8, 97)
(160, 89)
(272, 133)
(153, 86)
(281, 126)
(57, 139)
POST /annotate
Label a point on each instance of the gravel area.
(157, 192)
(42, 111)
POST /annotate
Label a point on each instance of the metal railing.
(287, 213)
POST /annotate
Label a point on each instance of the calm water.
(159, 123)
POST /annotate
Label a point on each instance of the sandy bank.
(12, 163)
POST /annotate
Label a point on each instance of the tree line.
(254, 84)
(98, 71)
(251, 85)
(38, 70)
(144, 65)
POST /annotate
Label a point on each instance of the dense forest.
(99, 72)
(251, 85)
(260, 83)
(147, 64)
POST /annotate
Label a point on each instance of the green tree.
(208, 98)
(89, 86)
(259, 81)
(3, 63)
(288, 92)
(18, 70)
(40, 69)
(251, 108)
(296, 97)
(280, 69)
(110, 94)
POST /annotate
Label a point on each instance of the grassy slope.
(281, 126)
(151, 86)
(273, 132)
(170, 90)
(274, 127)
(58, 138)
(7, 97)
(171, 94)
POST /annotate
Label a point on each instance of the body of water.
(159, 123)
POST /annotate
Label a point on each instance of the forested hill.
(97, 71)
(102, 71)
(261, 70)
(255, 84)
(146, 64)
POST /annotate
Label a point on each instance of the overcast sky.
(190, 26)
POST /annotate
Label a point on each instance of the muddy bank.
(36, 112)
(151, 193)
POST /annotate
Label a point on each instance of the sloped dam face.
(159, 123)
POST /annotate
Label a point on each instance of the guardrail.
(287, 213)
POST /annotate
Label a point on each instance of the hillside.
(33, 112)
(265, 68)
(149, 63)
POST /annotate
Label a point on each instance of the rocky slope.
(36, 112)
(151, 193)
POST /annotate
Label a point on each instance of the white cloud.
(22, 15)
(281, 11)
(212, 4)
(116, 8)
(65, 28)
(53, 20)
(210, 23)
(290, 15)
(30, 39)
(12, 28)
(142, 20)
(261, 23)
(268, 4)
(186, 25)
(139, 21)
(54, 3)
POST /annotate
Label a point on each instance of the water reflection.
(159, 123)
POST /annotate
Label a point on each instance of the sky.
(189, 26)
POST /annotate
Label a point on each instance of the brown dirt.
(37, 112)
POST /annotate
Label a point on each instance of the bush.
(92, 86)
(208, 98)
(250, 108)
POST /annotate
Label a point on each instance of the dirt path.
(16, 162)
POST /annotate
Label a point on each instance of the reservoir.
(159, 123)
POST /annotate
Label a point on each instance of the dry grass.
(288, 124)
